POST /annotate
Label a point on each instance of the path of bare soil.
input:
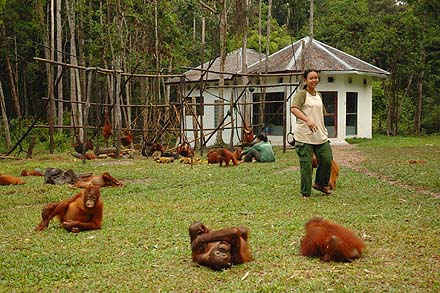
(349, 156)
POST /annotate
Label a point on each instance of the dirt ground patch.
(349, 156)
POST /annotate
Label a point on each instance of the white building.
(345, 83)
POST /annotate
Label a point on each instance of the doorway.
(330, 100)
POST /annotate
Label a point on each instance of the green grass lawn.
(144, 243)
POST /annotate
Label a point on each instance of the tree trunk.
(118, 116)
(195, 121)
(10, 73)
(75, 85)
(59, 32)
(49, 53)
(311, 18)
(156, 49)
(13, 88)
(127, 68)
(419, 100)
(202, 84)
(86, 108)
(221, 83)
(30, 150)
(81, 75)
(266, 66)
(4, 118)
(260, 47)
(245, 80)
(399, 107)
(391, 105)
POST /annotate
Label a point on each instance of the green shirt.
(265, 149)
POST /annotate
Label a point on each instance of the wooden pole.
(311, 18)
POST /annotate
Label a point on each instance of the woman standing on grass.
(311, 136)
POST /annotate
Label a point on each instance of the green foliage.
(343, 24)
(298, 22)
(2, 4)
(279, 36)
(431, 120)
(398, 36)
(379, 108)
(18, 128)
(144, 242)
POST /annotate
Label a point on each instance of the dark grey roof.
(310, 53)
(232, 65)
(294, 58)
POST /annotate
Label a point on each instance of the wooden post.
(311, 18)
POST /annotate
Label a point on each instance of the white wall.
(340, 84)
(208, 118)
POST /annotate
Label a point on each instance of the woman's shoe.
(326, 189)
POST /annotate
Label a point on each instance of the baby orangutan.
(103, 180)
(334, 172)
(219, 249)
(35, 172)
(224, 156)
(81, 212)
(10, 180)
(330, 241)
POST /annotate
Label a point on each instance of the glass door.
(330, 119)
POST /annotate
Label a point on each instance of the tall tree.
(60, 50)
(13, 85)
(75, 84)
(2, 97)
(386, 40)
(244, 16)
(50, 54)
(425, 27)
(4, 118)
(223, 32)
(222, 16)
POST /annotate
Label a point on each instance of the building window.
(216, 111)
(193, 106)
(351, 113)
(268, 116)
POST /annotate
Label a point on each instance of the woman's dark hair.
(261, 136)
(306, 72)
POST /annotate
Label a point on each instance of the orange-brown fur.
(334, 172)
(223, 156)
(185, 150)
(83, 211)
(107, 129)
(330, 241)
(127, 139)
(221, 248)
(212, 157)
(88, 155)
(25, 172)
(249, 135)
(10, 180)
(103, 180)
(78, 145)
(151, 147)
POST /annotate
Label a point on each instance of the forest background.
(163, 37)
